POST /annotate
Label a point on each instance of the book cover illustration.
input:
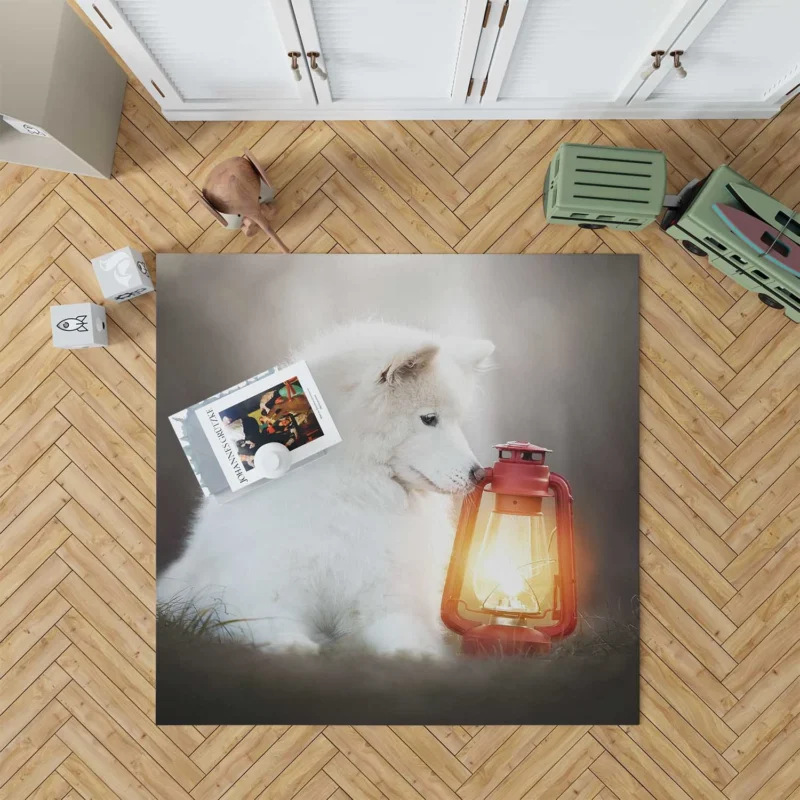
(282, 405)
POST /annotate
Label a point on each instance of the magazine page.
(284, 407)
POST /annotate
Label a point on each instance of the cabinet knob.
(679, 68)
(657, 56)
(313, 56)
(294, 55)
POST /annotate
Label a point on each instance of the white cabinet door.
(391, 55)
(745, 52)
(578, 54)
(206, 53)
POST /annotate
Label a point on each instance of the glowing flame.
(514, 569)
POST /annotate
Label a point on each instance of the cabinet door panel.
(746, 53)
(581, 51)
(231, 54)
(412, 53)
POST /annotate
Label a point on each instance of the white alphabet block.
(122, 274)
(78, 325)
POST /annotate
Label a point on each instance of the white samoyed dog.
(353, 547)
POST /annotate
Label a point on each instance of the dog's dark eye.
(430, 419)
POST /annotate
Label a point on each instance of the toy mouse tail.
(263, 223)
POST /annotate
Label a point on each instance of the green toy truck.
(703, 233)
(597, 187)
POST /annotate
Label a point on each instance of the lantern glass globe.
(514, 570)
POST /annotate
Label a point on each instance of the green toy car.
(695, 224)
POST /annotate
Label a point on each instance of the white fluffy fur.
(353, 546)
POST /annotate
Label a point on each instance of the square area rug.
(413, 572)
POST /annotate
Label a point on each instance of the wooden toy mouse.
(235, 193)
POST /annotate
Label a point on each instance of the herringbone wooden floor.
(720, 470)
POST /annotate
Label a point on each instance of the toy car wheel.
(592, 226)
(693, 248)
(769, 301)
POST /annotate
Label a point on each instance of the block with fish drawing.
(122, 275)
(78, 325)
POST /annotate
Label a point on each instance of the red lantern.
(510, 586)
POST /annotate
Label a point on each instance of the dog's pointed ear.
(469, 353)
(406, 365)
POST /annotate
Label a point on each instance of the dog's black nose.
(477, 474)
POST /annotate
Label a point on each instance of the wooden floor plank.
(684, 737)
(152, 197)
(81, 597)
(134, 214)
(639, 764)
(144, 153)
(494, 152)
(100, 470)
(31, 702)
(437, 143)
(352, 203)
(684, 556)
(159, 131)
(391, 170)
(106, 224)
(278, 138)
(686, 702)
(84, 782)
(260, 772)
(704, 142)
(299, 153)
(30, 230)
(760, 598)
(17, 280)
(34, 736)
(770, 138)
(684, 157)
(130, 719)
(33, 482)
(476, 133)
(108, 515)
(429, 171)
(31, 629)
(103, 437)
(686, 665)
(682, 446)
(107, 771)
(12, 176)
(38, 768)
(684, 411)
(761, 696)
(513, 751)
(209, 135)
(766, 509)
(108, 587)
(510, 172)
(25, 199)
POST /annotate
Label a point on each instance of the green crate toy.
(605, 187)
